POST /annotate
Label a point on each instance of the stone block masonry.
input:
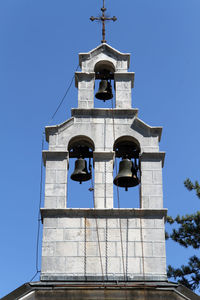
(109, 244)
(56, 163)
(103, 243)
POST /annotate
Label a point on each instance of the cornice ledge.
(102, 213)
(83, 75)
(124, 75)
(50, 154)
(103, 154)
(153, 155)
(105, 112)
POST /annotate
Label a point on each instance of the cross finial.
(103, 18)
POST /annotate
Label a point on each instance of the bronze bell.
(105, 91)
(127, 176)
(80, 171)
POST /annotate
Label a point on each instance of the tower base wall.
(103, 244)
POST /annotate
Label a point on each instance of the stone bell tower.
(103, 252)
(104, 243)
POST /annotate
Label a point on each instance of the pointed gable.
(120, 61)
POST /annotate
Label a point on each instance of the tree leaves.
(187, 235)
(190, 186)
(189, 275)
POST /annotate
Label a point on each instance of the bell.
(80, 172)
(105, 91)
(127, 176)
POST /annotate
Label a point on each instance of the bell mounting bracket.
(80, 151)
(104, 76)
(126, 150)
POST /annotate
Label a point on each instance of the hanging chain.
(118, 200)
(105, 185)
(97, 231)
(105, 204)
(85, 249)
(104, 164)
(142, 246)
(106, 248)
(127, 229)
(121, 238)
(143, 267)
(99, 246)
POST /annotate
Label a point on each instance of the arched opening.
(80, 140)
(126, 173)
(104, 84)
(80, 174)
(104, 65)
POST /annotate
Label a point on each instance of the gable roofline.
(155, 130)
(102, 112)
(100, 48)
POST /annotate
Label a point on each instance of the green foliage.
(187, 235)
(190, 186)
(188, 275)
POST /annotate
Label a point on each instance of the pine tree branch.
(190, 186)
(189, 274)
(187, 234)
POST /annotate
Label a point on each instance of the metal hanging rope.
(63, 98)
(118, 201)
(39, 219)
(97, 229)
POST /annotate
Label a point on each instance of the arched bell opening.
(126, 175)
(104, 84)
(80, 181)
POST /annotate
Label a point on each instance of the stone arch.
(104, 65)
(127, 140)
(82, 140)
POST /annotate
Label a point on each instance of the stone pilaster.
(85, 84)
(56, 179)
(151, 179)
(123, 85)
(103, 179)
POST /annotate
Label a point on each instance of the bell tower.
(103, 251)
(103, 242)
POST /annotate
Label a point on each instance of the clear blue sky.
(40, 42)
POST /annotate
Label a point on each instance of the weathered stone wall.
(131, 246)
(56, 179)
(132, 242)
(103, 127)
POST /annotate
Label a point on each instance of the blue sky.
(40, 42)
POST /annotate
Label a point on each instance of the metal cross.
(103, 18)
